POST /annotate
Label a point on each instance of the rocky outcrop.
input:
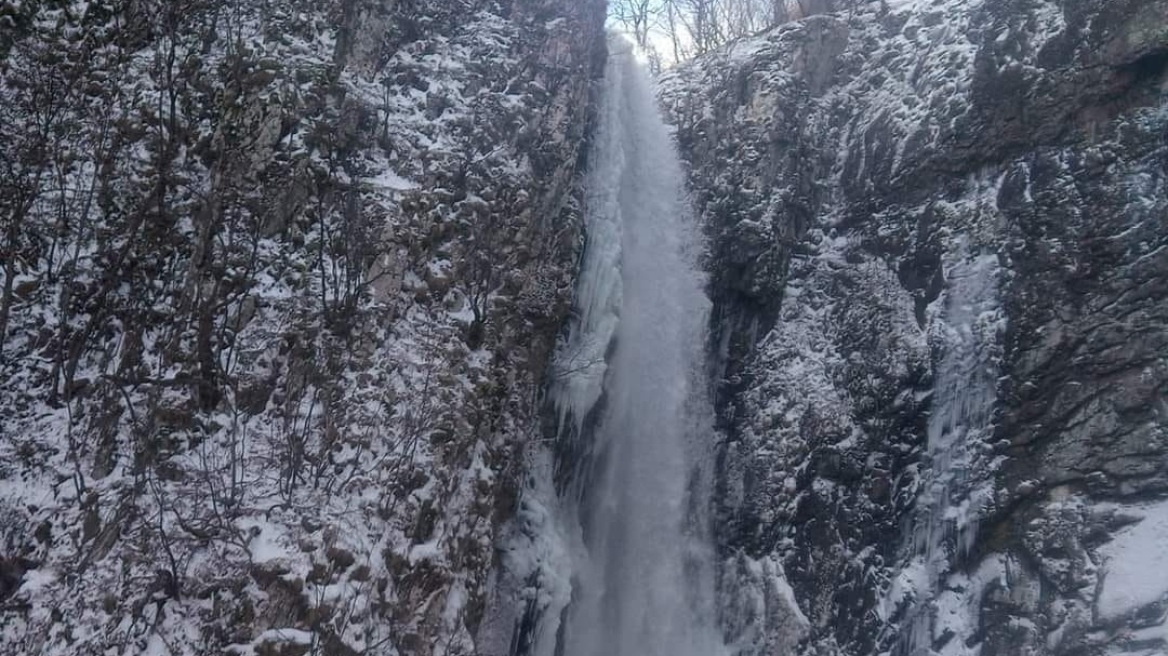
(280, 282)
(852, 170)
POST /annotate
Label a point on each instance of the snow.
(1151, 633)
(268, 542)
(388, 179)
(770, 569)
(746, 49)
(36, 580)
(425, 551)
(292, 636)
(953, 611)
(289, 636)
(1135, 563)
(909, 583)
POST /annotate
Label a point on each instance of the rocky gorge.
(289, 291)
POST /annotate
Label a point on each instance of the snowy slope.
(281, 280)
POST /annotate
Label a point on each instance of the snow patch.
(388, 179)
(1136, 563)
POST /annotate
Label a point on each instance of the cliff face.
(939, 234)
(280, 281)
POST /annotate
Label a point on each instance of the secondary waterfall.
(945, 525)
(642, 568)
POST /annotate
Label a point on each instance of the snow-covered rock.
(853, 169)
(280, 285)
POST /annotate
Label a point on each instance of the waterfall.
(964, 392)
(641, 560)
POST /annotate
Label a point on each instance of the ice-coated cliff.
(939, 239)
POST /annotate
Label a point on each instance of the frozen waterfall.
(964, 392)
(642, 572)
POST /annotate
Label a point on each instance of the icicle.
(945, 528)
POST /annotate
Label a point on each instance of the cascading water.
(642, 567)
(964, 392)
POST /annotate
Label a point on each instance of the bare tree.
(637, 17)
(694, 27)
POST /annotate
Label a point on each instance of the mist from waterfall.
(642, 565)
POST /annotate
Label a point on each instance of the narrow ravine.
(642, 568)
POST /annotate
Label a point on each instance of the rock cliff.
(938, 236)
(280, 282)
